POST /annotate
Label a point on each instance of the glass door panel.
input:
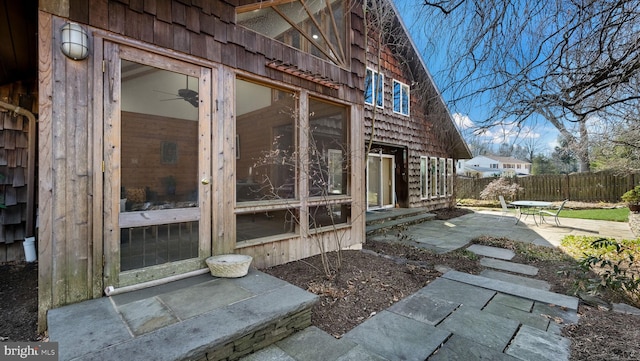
(380, 181)
(159, 165)
(373, 182)
(387, 182)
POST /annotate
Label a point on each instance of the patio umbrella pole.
(112, 291)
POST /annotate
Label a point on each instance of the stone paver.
(525, 318)
(556, 313)
(77, 341)
(458, 348)
(420, 307)
(474, 325)
(509, 266)
(271, 353)
(493, 252)
(204, 298)
(519, 280)
(146, 315)
(459, 292)
(624, 308)
(518, 303)
(396, 337)
(313, 344)
(513, 289)
(532, 344)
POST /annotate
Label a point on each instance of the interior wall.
(144, 168)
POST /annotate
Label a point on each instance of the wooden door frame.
(108, 134)
(380, 156)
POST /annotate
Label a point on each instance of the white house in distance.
(483, 166)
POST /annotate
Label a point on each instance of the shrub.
(500, 187)
(613, 262)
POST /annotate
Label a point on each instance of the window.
(265, 161)
(433, 176)
(449, 177)
(328, 149)
(442, 174)
(316, 27)
(424, 179)
(269, 167)
(400, 98)
(436, 177)
(374, 88)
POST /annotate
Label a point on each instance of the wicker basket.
(229, 265)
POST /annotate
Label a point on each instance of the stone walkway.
(494, 316)
(445, 236)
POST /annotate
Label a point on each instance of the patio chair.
(505, 208)
(555, 213)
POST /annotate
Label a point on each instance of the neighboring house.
(484, 166)
(189, 128)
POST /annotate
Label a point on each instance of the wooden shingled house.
(173, 130)
(411, 140)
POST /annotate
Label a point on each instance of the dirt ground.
(371, 281)
(19, 302)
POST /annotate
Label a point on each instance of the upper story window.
(374, 88)
(400, 98)
(316, 27)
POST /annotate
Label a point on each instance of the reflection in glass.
(265, 224)
(328, 149)
(159, 139)
(331, 215)
(308, 25)
(265, 141)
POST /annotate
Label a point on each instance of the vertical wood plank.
(97, 146)
(206, 117)
(358, 172)
(224, 196)
(45, 145)
(111, 129)
(75, 188)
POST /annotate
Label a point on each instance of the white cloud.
(463, 121)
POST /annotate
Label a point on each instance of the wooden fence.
(579, 187)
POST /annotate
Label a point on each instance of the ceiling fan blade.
(160, 91)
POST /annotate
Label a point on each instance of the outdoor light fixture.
(75, 41)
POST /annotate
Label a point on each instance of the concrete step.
(391, 224)
(390, 214)
(216, 319)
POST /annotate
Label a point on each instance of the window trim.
(379, 96)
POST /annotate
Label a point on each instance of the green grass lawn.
(612, 214)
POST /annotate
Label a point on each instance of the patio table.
(529, 208)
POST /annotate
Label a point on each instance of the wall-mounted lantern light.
(75, 41)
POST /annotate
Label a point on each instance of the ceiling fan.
(188, 95)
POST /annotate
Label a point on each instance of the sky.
(542, 134)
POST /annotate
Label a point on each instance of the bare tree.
(562, 62)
